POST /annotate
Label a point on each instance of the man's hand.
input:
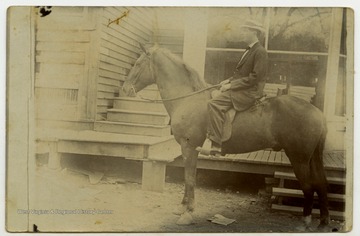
(225, 82)
(225, 87)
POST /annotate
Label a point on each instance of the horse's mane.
(193, 77)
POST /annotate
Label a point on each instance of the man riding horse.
(242, 89)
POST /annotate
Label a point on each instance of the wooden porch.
(265, 162)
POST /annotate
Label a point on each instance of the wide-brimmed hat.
(252, 24)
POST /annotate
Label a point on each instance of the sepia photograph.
(179, 119)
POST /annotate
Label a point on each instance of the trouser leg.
(217, 108)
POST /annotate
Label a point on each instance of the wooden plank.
(59, 70)
(105, 102)
(242, 156)
(297, 193)
(61, 46)
(108, 88)
(278, 158)
(60, 84)
(109, 81)
(166, 151)
(252, 156)
(19, 190)
(111, 43)
(122, 55)
(112, 68)
(102, 149)
(230, 156)
(59, 112)
(291, 176)
(115, 61)
(123, 36)
(258, 156)
(61, 57)
(63, 36)
(69, 80)
(265, 156)
(111, 75)
(65, 18)
(153, 176)
(272, 157)
(336, 215)
(105, 95)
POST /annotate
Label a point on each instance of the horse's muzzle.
(127, 90)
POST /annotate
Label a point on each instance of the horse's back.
(278, 122)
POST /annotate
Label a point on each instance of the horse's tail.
(317, 165)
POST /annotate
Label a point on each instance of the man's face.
(247, 35)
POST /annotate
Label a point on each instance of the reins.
(180, 97)
(170, 99)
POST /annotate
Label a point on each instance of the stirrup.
(208, 150)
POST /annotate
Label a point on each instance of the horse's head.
(139, 76)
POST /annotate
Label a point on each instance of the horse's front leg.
(188, 203)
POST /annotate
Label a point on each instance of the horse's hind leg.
(321, 187)
(302, 172)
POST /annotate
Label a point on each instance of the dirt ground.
(65, 201)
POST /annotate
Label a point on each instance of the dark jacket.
(248, 81)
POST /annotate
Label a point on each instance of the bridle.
(147, 54)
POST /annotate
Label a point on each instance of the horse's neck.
(174, 81)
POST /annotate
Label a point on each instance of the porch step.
(89, 142)
(291, 176)
(136, 104)
(336, 200)
(131, 128)
(139, 117)
(297, 193)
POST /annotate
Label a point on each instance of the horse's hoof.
(325, 228)
(302, 228)
(180, 210)
(185, 219)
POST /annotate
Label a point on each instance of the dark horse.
(283, 122)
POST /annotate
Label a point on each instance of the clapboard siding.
(111, 75)
(63, 40)
(111, 49)
(119, 49)
(129, 29)
(135, 18)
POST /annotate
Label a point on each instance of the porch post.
(19, 87)
(195, 36)
(332, 70)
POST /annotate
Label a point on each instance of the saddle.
(230, 115)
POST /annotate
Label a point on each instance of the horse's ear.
(142, 46)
